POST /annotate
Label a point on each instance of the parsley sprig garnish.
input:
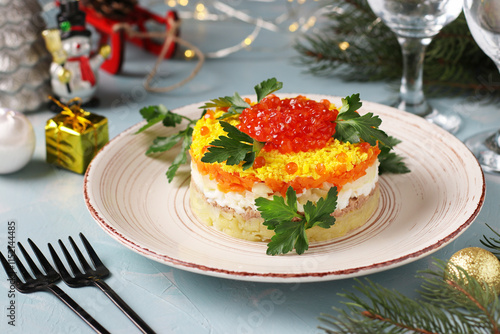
(290, 226)
(234, 148)
(156, 114)
(353, 127)
(236, 104)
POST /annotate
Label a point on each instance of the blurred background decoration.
(24, 61)
(283, 16)
(340, 38)
(354, 44)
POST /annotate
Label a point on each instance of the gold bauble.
(478, 263)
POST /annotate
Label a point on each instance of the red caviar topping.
(259, 162)
(364, 146)
(204, 131)
(289, 125)
(291, 168)
(320, 169)
(341, 157)
(209, 114)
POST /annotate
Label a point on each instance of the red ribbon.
(78, 28)
(85, 69)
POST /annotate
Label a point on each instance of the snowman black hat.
(71, 20)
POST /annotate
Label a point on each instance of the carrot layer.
(234, 182)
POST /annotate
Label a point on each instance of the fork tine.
(24, 273)
(69, 259)
(43, 260)
(93, 255)
(31, 263)
(80, 256)
(59, 265)
(8, 269)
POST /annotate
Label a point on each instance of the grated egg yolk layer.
(337, 163)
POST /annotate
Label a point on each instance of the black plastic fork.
(43, 281)
(91, 276)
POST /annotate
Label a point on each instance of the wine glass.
(483, 19)
(415, 23)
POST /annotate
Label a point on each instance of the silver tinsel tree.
(24, 60)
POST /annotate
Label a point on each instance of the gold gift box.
(74, 137)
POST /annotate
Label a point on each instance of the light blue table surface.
(47, 204)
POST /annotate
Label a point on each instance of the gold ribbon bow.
(72, 117)
(75, 115)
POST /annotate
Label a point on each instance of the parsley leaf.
(236, 104)
(234, 148)
(159, 113)
(350, 103)
(390, 162)
(181, 158)
(289, 225)
(267, 87)
(288, 235)
(162, 144)
(221, 102)
(352, 127)
(320, 214)
(275, 210)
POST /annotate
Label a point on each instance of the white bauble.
(17, 141)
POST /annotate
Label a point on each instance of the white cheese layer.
(244, 200)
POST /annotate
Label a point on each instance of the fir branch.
(492, 243)
(453, 289)
(378, 317)
(450, 302)
(479, 306)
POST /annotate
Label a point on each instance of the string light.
(200, 7)
(188, 54)
(200, 11)
(344, 45)
(311, 21)
(218, 10)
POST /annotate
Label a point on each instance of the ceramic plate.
(129, 196)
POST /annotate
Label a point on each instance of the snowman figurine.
(73, 70)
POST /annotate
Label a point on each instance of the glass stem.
(411, 92)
